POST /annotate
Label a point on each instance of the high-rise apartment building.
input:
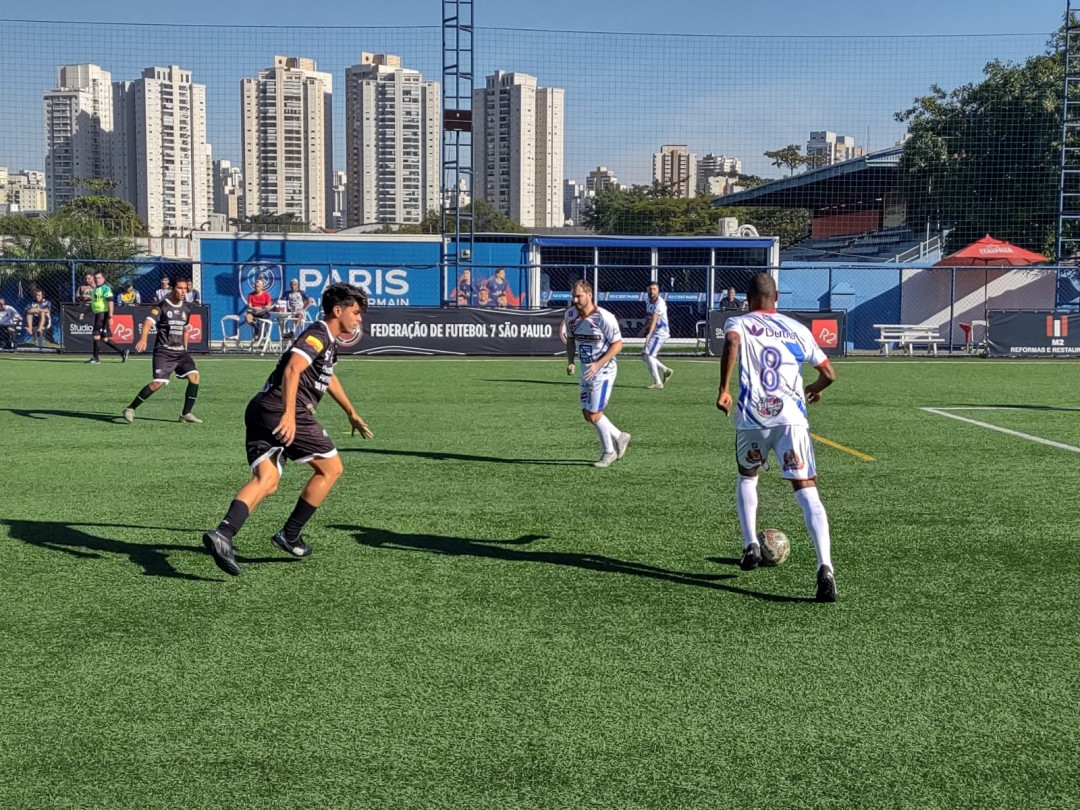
(25, 191)
(714, 172)
(338, 217)
(160, 153)
(393, 141)
(228, 190)
(675, 169)
(826, 148)
(78, 126)
(518, 148)
(288, 141)
(600, 178)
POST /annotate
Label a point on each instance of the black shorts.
(262, 416)
(181, 364)
(101, 325)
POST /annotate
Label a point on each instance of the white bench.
(907, 336)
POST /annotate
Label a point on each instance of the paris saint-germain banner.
(126, 327)
(459, 331)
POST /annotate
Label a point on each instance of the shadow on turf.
(536, 382)
(435, 455)
(510, 551)
(33, 413)
(152, 558)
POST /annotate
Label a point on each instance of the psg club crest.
(348, 341)
(270, 274)
(770, 405)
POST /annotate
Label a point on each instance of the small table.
(264, 340)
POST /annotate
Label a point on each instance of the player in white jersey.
(656, 331)
(771, 415)
(594, 334)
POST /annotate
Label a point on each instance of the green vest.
(99, 299)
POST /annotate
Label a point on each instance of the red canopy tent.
(989, 250)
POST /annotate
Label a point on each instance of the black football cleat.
(124, 355)
(751, 557)
(297, 547)
(826, 585)
(221, 549)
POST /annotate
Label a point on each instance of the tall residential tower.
(78, 128)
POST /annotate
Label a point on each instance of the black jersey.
(170, 320)
(320, 350)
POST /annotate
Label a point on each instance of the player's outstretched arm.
(826, 377)
(569, 355)
(140, 347)
(594, 367)
(337, 393)
(727, 366)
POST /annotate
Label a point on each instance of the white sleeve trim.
(305, 355)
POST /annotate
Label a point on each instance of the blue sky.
(731, 78)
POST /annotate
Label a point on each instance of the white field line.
(988, 426)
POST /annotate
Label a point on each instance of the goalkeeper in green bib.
(101, 304)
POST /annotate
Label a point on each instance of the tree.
(790, 156)
(983, 158)
(287, 222)
(117, 217)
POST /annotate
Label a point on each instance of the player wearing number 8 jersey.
(770, 415)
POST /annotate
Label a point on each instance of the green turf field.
(487, 622)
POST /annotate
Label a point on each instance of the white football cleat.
(621, 444)
(605, 460)
(129, 415)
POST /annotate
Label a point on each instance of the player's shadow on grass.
(44, 413)
(512, 551)
(435, 455)
(152, 558)
(536, 382)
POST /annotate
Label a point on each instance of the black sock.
(97, 344)
(234, 519)
(189, 398)
(301, 514)
(113, 346)
(141, 397)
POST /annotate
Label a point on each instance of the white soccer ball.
(775, 546)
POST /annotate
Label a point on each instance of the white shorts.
(790, 443)
(595, 393)
(653, 346)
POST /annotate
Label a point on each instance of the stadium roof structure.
(854, 184)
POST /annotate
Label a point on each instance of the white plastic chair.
(264, 338)
(234, 338)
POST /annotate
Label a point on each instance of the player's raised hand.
(359, 424)
(723, 402)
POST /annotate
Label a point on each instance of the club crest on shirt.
(770, 405)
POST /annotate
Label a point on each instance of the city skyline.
(739, 118)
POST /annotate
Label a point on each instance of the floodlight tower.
(1068, 225)
(457, 168)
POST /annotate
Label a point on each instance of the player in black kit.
(170, 317)
(280, 424)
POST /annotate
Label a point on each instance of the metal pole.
(952, 308)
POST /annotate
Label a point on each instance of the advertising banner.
(127, 322)
(828, 328)
(460, 331)
(1043, 333)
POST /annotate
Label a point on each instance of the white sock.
(746, 505)
(607, 432)
(651, 363)
(817, 522)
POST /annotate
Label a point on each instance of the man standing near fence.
(657, 331)
(595, 335)
(771, 416)
(171, 318)
(101, 304)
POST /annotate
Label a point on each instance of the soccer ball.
(775, 546)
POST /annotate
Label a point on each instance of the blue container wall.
(394, 273)
(876, 297)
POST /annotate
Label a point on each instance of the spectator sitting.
(258, 305)
(128, 296)
(731, 303)
(39, 316)
(163, 291)
(9, 325)
(296, 303)
(86, 290)
(193, 296)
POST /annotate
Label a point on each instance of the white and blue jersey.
(662, 331)
(593, 336)
(772, 349)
